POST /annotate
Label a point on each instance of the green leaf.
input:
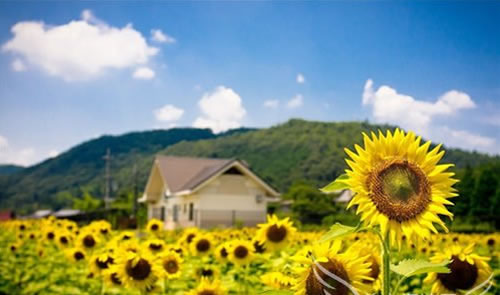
(411, 267)
(336, 185)
(338, 230)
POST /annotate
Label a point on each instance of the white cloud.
(221, 110)
(272, 103)
(300, 78)
(295, 102)
(143, 73)
(79, 50)
(392, 107)
(168, 113)
(18, 65)
(4, 143)
(22, 157)
(158, 36)
(464, 139)
(53, 153)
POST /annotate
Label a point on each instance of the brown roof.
(184, 173)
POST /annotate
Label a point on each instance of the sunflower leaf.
(336, 185)
(411, 267)
(338, 230)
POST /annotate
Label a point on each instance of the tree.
(465, 189)
(309, 204)
(87, 203)
(484, 194)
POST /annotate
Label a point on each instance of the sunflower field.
(401, 244)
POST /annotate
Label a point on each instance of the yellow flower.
(277, 280)
(87, 240)
(222, 252)
(398, 184)
(326, 271)
(138, 270)
(240, 252)
(207, 287)
(468, 271)
(202, 245)
(171, 263)
(275, 234)
(75, 254)
(100, 263)
(154, 226)
(156, 245)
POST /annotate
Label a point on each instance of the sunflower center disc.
(154, 227)
(258, 247)
(89, 241)
(223, 252)
(140, 271)
(462, 276)
(203, 245)
(320, 282)
(78, 255)
(276, 233)
(104, 264)
(171, 266)
(207, 292)
(399, 189)
(206, 273)
(241, 252)
(115, 279)
(155, 247)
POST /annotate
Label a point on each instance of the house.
(205, 193)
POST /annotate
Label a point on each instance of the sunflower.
(207, 287)
(202, 245)
(240, 252)
(208, 271)
(188, 235)
(136, 269)
(372, 252)
(154, 226)
(64, 239)
(467, 271)
(398, 184)
(277, 280)
(111, 278)
(326, 271)
(75, 254)
(155, 246)
(49, 234)
(275, 234)
(100, 263)
(221, 253)
(171, 263)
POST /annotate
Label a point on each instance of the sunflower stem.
(386, 261)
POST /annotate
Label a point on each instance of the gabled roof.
(184, 173)
(187, 174)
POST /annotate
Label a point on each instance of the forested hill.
(82, 168)
(293, 151)
(10, 169)
(300, 150)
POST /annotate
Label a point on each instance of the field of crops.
(52, 256)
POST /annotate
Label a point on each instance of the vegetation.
(298, 151)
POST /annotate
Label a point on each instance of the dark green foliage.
(9, 169)
(309, 204)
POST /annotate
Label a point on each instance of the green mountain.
(83, 166)
(294, 151)
(9, 169)
(300, 150)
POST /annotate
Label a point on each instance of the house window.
(162, 214)
(191, 211)
(185, 208)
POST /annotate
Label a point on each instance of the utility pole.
(136, 190)
(107, 199)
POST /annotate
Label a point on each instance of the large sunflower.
(468, 271)
(326, 271)
(276, 233)
(398, 184)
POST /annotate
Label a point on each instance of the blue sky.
(73, 71)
